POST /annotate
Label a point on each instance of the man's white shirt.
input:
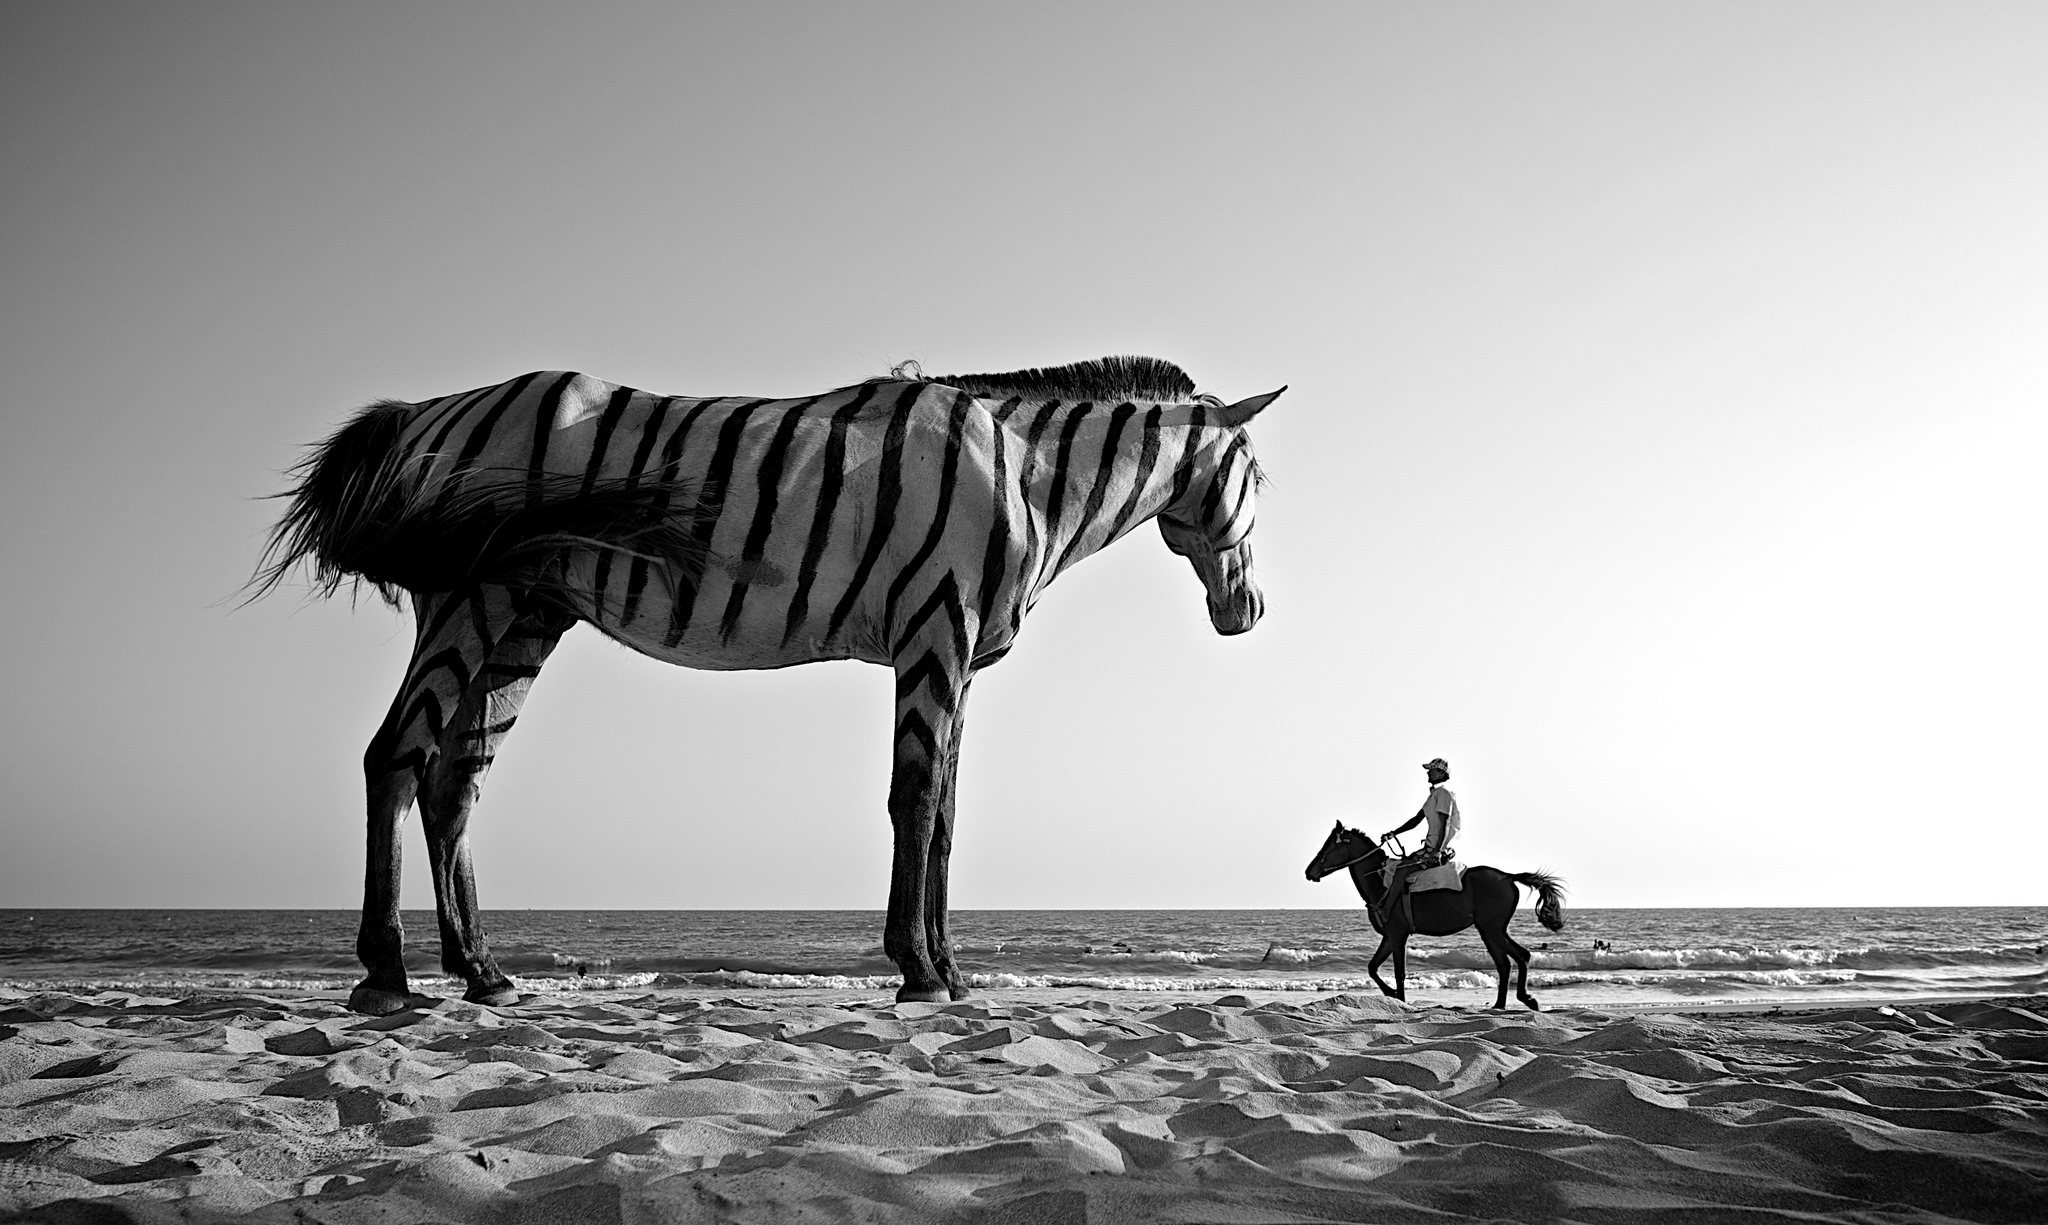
(1441, 811)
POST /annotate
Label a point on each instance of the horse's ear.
(1229, 416)
(1237, 414)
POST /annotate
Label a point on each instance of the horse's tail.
(366, 510)
(1549, 897)
(345, 507)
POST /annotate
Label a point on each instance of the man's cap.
(1437, 763)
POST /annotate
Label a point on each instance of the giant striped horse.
(906, 521)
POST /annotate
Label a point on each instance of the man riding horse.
(1440, 810)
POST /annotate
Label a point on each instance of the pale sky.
(1663, 443)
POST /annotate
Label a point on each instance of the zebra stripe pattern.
(904, 521)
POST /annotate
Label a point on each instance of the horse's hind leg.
(453, 638)
(1497, 942)
(380, 940)
(393, 766)
(468, 744)
(1521, 956)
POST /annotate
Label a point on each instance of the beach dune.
(1039, 1107)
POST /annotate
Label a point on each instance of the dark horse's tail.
(365, 509)
(1549, 897)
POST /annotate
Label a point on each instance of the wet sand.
(1047, 1106)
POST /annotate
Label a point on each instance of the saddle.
(1450, 874)
(1447, 874)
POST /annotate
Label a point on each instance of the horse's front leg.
(931, 681)
(937, 917)
(1379, 955)
(1401, 967)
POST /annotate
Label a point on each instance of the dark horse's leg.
(1393, 940)
(931, 683)
(1503, 946)
(1493, 938)
(468, 744)
(1389, 944)
(453, 638)
(1494, 902)
(1521, 956)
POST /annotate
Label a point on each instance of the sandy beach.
(1030, 1107)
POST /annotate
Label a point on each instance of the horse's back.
(1487, 877)
(562, 422)
(809, 511)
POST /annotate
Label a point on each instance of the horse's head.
(1210, 522)
(1343, 848)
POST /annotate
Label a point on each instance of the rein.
(1370, 847)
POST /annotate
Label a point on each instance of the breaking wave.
(1604, 955)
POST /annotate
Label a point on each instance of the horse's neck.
(1367, 879)
(1092, 472)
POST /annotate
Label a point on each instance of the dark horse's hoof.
(924, 995)
(383, 1001)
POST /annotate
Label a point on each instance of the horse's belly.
(725, 623)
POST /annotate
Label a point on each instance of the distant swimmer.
(1440, 810)
(1601, 946)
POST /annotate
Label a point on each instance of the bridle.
(1362, 856)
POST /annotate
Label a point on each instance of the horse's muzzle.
(1239, 612)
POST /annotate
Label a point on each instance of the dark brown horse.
(1488, 901)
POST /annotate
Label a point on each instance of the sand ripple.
(1044, 1107)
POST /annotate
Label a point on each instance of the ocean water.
(1603, 956)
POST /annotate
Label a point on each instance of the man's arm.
(1413, 821)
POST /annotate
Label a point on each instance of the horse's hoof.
(1530, 1000)
(383, 1001)
(493, 995)
(958, 991)
(923, 995)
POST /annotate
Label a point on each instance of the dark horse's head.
(1343, 848)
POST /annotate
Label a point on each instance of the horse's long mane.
(1105, 378)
